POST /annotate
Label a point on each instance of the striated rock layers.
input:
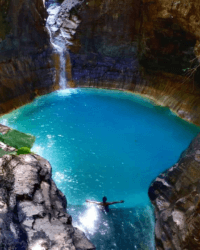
(176, 197)
(148, 47)
(26, 63)
(32, 209)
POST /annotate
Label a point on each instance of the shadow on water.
(120, 228)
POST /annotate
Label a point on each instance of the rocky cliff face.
(148, 47)
(176, 197)
(169, 54)
(26, 63)
(32, 209)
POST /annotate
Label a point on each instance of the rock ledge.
(32, 209)
(176, 197)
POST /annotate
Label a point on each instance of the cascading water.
(58, 44)
(62, 55)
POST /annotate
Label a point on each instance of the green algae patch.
(17, 139)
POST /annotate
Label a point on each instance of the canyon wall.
(176, 198)
(26, 62)
(144, 46)
(148, 47)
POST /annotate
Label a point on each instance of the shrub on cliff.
(23, 150)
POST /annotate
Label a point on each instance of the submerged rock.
(176, 197)
(32, 209)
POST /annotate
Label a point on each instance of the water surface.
(110, 143)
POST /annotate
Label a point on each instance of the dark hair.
(104, 199)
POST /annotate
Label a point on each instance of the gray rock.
(176, 197)
(6, 147)
(4, 129)
(32, 209)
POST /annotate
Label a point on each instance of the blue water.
(111, 143)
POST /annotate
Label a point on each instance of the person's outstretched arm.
(95, 202)
(114, 202)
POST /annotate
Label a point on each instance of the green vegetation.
(17, 139)
(23, 150)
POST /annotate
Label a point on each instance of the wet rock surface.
(32, 210)
(175, 195)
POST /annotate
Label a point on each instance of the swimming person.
(104, 204)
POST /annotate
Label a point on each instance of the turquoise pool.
(105, 143)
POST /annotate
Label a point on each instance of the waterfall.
(58, 45)
(63, 79)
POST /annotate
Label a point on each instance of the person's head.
(104, 199)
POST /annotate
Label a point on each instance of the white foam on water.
(67, 92)
(37, 149)
(59, 177)
(88, 221)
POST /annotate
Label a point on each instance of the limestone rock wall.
(176, 197)
(26, 61)
(32, 210)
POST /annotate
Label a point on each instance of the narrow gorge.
(150, 48)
